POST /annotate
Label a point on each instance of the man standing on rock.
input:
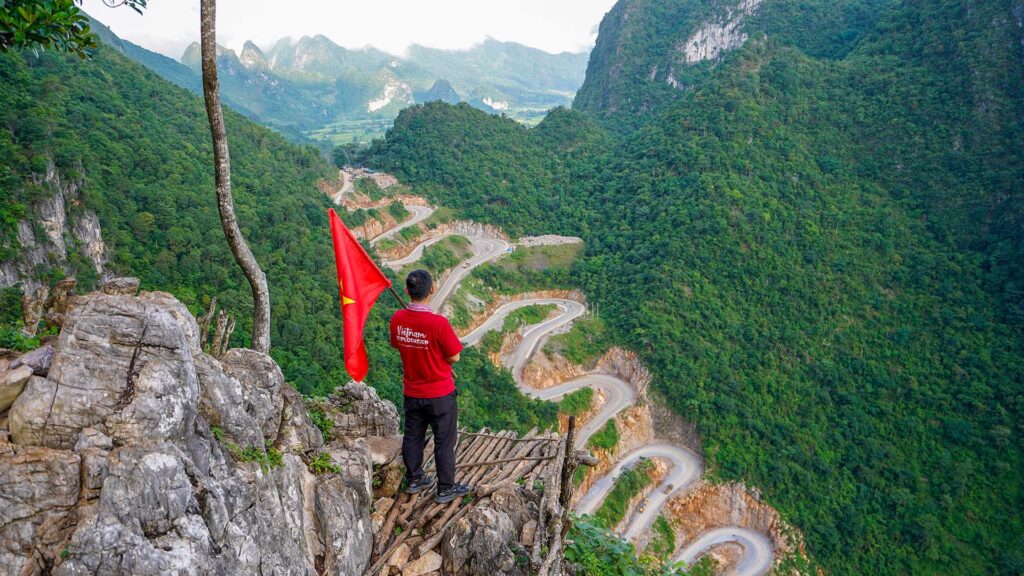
(429, 347)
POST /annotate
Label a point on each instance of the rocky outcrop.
(626, 365)
(487, 540)
(716, 37)
(356, 410)
(546, 370)
(374, 227)
(354, 202)
(53, 230)
(138, 454)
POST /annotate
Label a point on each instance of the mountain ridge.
(308, 84)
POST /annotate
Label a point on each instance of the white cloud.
(168, 26)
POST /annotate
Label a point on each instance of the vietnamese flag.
(360, 282)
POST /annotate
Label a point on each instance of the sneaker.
(456, 491)
(416, 486)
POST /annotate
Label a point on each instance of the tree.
(57, 24)
(222, 166)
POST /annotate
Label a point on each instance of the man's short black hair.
(418, 283)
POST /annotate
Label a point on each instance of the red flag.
(360, 282)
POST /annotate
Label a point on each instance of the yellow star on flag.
(346, 300)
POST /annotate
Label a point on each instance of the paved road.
(419, 214)
(416, 253)
(618, 394)
(686, 469)
(484, 249)
(346, 187)
(569, 311)
(757, 549)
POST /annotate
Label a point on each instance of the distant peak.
(252, 56)
(193, 56)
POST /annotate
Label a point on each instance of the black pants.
(442, 415)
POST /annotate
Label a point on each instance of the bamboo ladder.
(487, 461)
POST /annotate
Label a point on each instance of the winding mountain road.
(686, 467)
(618, 395)
(416, 254)
(419, 214)
(757, 549)
(484, 250)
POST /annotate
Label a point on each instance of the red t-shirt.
(425, 341)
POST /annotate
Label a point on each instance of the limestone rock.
(124, 286)
(429, 562)
(353, 458)
(345, 532)
(38, 491)
(355, 410)
(92, 438)
(59, 302)
(400, 556)
(517, 502)
(122, 365)
(115, 469)
(384, 449)
(93, 447)
(219, 403)
(262, 382)
(387, 479)
(483, 542)
(39, 360)
(12, 383)
(297, 431)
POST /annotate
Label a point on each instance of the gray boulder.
(123, 366)
(12, 382)
(139, 454)
(262, 382)
(39, 488)
(39, 360)
(220, 402)
(485, 541)
(355, 410)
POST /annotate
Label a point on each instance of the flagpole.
(397, 297)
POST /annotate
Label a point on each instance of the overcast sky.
(168, 26)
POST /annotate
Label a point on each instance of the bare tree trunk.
(222, 161)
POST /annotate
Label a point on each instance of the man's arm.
(451, 346)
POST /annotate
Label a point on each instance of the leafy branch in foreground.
(51, 24)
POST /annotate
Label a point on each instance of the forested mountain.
(807, 219)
